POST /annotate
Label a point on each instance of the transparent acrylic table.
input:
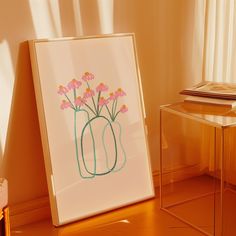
(198, 166)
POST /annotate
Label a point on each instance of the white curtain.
(220, 41)
(219, 64)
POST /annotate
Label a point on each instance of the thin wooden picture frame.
(91, 114)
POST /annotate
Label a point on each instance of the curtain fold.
(220, 36)
(219, 65)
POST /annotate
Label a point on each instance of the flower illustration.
(62, 90)
(65, 104)
(120, 93)
(112, 96)
(101, 88)
(74, 84)
(89, 93)
(79, 101)
(103, 101)
(123, 109)
(87, 76)
(93, 108)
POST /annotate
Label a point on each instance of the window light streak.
(106, 15)
(77, 17)
(124, 221)
(198, 39)
(17, 231)
(46, 18)
(55, 16)
(6, 85)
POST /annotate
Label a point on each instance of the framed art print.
(91, 117)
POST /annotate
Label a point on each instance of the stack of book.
(223, 94)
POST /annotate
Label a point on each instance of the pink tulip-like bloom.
(112, 96)
(79, 101)
(101, 88)
(65, 104)
(74, 84)
(124, 109)
(119, 92)
(103, 101)
(87, 76)
(89, 93)
(62, 90)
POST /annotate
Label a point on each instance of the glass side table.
(198, 166)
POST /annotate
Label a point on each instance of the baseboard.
(176, 175)
(29, 212)
(39, 209)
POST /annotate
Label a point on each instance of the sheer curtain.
(220, 41)
(219, 64)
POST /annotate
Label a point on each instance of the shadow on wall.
(23, 148)
(22, 155)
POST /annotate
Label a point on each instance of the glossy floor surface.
(144, 218)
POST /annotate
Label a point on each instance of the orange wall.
(168, 56)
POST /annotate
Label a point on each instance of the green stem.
(100, 110)
(90, 109)
(112, 108)
(115, 106)
(116, 115)
(72, 105)
(74, 91)
(99, 94)
(109, 112)
(92, 98)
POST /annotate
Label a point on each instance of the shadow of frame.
(23, 144)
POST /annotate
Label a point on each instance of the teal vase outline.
(120, 143)
(76, 145)
(92, 174)
(115, 145)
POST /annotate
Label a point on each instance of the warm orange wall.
(169, 61)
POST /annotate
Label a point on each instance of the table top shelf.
(214, 115)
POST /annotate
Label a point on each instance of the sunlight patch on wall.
(198, 41)
(6, 85)
(46, 18)
(106, 15)
(78, 18)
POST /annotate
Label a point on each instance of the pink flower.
(112, 96)
(79, 101)
(101, 88)
(124, 109)
(62, 90)
(103, 101)
(89, 93)
(119, 92)
(87, 76)
(74, 84)
(65, 104)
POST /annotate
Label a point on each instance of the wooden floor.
(196, 200)
(144, 218)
